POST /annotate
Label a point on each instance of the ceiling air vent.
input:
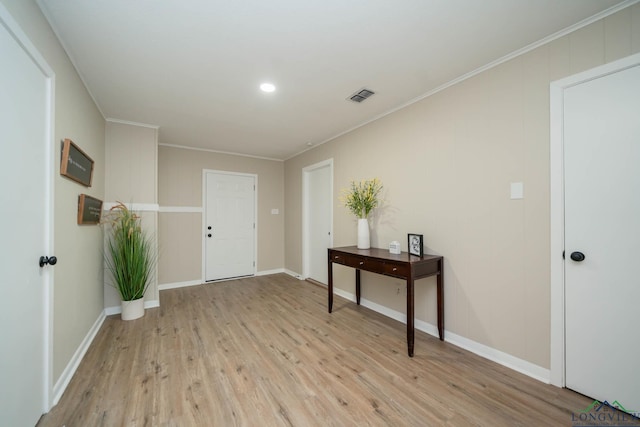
(361, 95)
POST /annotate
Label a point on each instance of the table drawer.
(348, 260)
(396, 270)
(338, 258)
(364, 263)
(359, 262)
(354, 261)
(374, 266)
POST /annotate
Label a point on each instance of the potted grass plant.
(129, 258)
(361, 198)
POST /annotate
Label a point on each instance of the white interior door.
(230, 225)
(602, 221)
(318, 212)
(25, 105)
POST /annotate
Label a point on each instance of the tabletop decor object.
(415, 243)
(361, 198)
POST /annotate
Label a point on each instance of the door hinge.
(254, 263)
(254, 225)
(562, 254)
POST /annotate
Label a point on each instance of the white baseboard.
(268, 272)
(174, 285)
(109, 311)
(62, 383)
(500, 357)
(527, 368)
(294, 274)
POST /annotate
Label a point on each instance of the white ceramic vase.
(364, 242)
(132, 309)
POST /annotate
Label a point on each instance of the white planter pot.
(364, 241)
(132, 309)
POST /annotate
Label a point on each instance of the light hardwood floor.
(263, 351)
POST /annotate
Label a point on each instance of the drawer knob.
(394, 268)
(361, 262)
(336, 257)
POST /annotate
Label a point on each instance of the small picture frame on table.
(415, 244)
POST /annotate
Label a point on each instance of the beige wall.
(446, 163)
(77, 288)
(131, 163)
(131, 177)
(180, 185)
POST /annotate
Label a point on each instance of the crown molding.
(184, 147)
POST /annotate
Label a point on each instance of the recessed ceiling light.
(267, 87)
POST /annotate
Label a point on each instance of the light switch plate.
(517, 190)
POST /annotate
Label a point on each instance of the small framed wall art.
(89, 210)
(75, 164)
(415, 244)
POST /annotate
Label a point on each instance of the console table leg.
(410, 316)
(358, 286)
(330, 285)
(439, 282)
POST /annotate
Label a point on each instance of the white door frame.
(306, 171)
(557, 362)
(14, 29)
(204, 217)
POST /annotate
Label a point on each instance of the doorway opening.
(317, 219)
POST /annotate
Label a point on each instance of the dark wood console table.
(401, 266)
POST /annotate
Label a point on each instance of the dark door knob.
(209, 235)
(209, 228)
(47, 260)
(577, 256)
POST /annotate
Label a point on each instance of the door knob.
(577, 256)
(47, 260)
(209, 235)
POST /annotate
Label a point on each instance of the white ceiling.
(193, 67)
